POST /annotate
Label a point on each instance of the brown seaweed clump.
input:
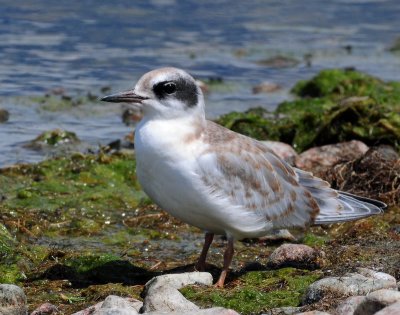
(375, 175)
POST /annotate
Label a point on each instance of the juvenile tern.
(218, 180)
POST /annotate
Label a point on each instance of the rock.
(316, 158)
(45, 309)
(375, 274)
(283, 150)
(278, 236)
(162, 295)
(53, 138)
(313, 313)
(12, 300)
(295, 255)
(348, 306)
(4, 115)
(279, 62)
(393, 309)
(289, 310)
(132, 115)
(348, 285)
(113, 305)
(376, 301)
(266, 87)
(90, 310)
(207, 311)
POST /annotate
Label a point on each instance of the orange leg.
(228, 255)
(201, 263)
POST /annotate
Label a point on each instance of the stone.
(295, 255)
(288, 310)
(4, 115)
(349, 305)
(266, 87)
(12, 300)
(45, 309)
(349, 285)
(326, 156)
(207, 311)
(113, 305)
(313, 313)
(162, 295)
(375, 274)
(90, 310)
(377, 300)
(278, 236)
(283, 150)
(393, 309)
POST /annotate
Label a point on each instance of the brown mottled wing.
(249, 175)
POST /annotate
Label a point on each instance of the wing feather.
(252, 177)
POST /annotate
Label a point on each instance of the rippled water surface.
(84, 45)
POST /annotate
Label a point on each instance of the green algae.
(53, 138)
(256, 291)
(88, 184)
(84, 263)
(334, 106)
(52, 103)
(312, 239)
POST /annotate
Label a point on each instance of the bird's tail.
(337, 206)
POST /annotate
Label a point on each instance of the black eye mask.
(181, 89)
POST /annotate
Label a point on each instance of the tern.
(218, 180)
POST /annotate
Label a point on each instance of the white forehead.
(149, 79)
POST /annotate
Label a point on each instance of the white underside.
(167, 169)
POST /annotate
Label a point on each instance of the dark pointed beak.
(124, 97)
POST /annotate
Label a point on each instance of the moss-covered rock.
(53, 138)
(256, 291)
(334, 106)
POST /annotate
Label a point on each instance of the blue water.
(84, 45)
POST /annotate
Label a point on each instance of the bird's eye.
(169, 87)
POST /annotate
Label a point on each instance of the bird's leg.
(201, 263)
(227, 262)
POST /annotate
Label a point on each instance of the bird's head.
(165, 93)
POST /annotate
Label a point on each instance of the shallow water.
(82, 46)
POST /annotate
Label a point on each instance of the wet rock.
(45, 309)
(4, 115)
(283, 150)
(203, 86)
(162, 295)
(113, 305)
(375, 174)
(289, 310)
(349, 285)
(53, 138)
(393, 309)
(208, 311)
(12, 300)
(328, 155)
(376, 301)
(348, 306)
(279, 62)
(131, 116)
(295, 255)
(266, 87)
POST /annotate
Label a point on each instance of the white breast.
(168, 170)
(166, 167)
